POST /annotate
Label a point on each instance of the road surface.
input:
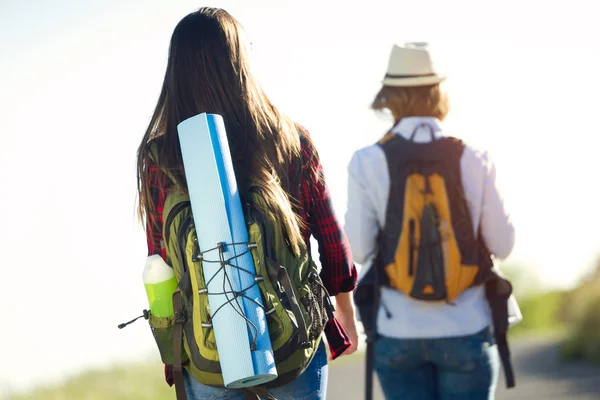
(539, 375)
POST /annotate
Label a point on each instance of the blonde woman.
(426, 347)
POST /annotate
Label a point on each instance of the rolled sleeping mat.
(218, 218)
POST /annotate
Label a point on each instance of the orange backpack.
(428, 243)
(428, 248)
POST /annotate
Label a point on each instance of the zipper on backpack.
(411, 247)
(184, 231)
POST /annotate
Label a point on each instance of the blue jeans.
(457, 368)
(311, 385)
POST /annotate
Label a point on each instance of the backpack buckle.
(179, 317)
(279, 288)
(197, 256)
(305, 345)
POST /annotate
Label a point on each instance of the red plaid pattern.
(338, 271)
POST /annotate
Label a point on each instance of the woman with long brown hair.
(208, 71)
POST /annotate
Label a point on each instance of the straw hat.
(411, 65)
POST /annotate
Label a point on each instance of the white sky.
(79, 80)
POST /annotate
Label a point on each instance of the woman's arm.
(346, 315)
(361, 226)
(337, 268)
(496, 226)
(154, 222)
(338, 271)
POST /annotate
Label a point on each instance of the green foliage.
(540, 313)
(541, 309)
(525, 280)
(134, 382)
(582, 310)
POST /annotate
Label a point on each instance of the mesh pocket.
(162, 330)
(315, 305)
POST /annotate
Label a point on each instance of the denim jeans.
(457, 368)
(311, 385)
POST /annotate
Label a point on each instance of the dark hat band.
(407, 76)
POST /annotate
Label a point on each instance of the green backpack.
(296, 304)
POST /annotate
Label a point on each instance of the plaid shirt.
(338, 272)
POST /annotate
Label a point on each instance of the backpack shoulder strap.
(386, 138)
(180, 391)
(497, 292)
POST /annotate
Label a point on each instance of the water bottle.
(160, 283)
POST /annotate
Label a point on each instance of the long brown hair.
(208, 71)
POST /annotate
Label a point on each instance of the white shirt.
(368, 191)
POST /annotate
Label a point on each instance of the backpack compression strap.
(252, 393)
(285, 281)
(370, 355)
(504, 352)
(499, 316)
(177, 341)
(496, 293)
(372, 336)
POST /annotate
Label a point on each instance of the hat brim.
(414, 80)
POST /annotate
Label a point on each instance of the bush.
(540, 313)
(583, 343)
(582, 312)
(144, 381)
(540, 308)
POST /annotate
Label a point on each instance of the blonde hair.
(413, 101)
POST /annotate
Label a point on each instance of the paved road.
(539, 375)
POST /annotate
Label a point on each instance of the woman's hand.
(346, 316)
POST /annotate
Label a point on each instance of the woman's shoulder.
(307, 147)
(368, 157)
(157, 176)
(305, 139)
(476, 156)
